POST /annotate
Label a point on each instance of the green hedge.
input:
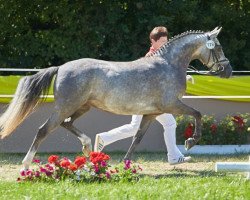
(45, 33)
(229, 130)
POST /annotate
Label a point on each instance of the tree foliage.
(43, 33)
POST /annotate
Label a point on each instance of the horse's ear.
(214, 33)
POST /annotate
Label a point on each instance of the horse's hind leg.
(52, 123)
(181, 108)
(68, 124)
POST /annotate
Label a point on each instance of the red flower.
(189, 131)
(106, 157)
(73, 167)
(53, 159)
(239, 121)
(213, 128)
(65, 163)
(80, 161)
(98, 157)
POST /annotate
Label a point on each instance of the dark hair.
(158, 32)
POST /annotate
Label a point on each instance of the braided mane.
(176, 37)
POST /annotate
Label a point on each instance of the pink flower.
(29, 173)
(134, 171)
(103, 164)
(108, 175)
(37, 174)
(36, 161)
(48, 173)
(49, 167)
(43, 170)
(23, 173)
(96, 168)
(127, 164)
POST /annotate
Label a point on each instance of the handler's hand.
(190, 78)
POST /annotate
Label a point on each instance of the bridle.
(215, 61)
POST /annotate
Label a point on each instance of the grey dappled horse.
(148, 86)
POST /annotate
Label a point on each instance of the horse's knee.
(198, 115)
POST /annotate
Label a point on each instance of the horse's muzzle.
(227, 72)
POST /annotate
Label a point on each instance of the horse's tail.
(26, 99)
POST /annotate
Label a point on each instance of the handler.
(158, 37)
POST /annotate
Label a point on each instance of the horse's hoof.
(189, 143)
(86, 150)
(26, 166)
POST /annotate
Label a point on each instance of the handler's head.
(158, 36)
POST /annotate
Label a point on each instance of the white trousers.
(129, 130)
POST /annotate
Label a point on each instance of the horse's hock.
(97, 121)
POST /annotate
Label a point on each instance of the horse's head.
(212, 55)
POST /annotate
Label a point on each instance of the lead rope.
(193, 69)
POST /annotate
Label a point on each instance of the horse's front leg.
(146, 121)
(181, 108)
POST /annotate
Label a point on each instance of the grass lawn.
(215, 86)
(159, 180)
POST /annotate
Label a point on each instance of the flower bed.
(231, 130)
(82, 169)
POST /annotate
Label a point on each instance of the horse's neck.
(180, 52)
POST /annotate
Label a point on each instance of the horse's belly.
(126, 108)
